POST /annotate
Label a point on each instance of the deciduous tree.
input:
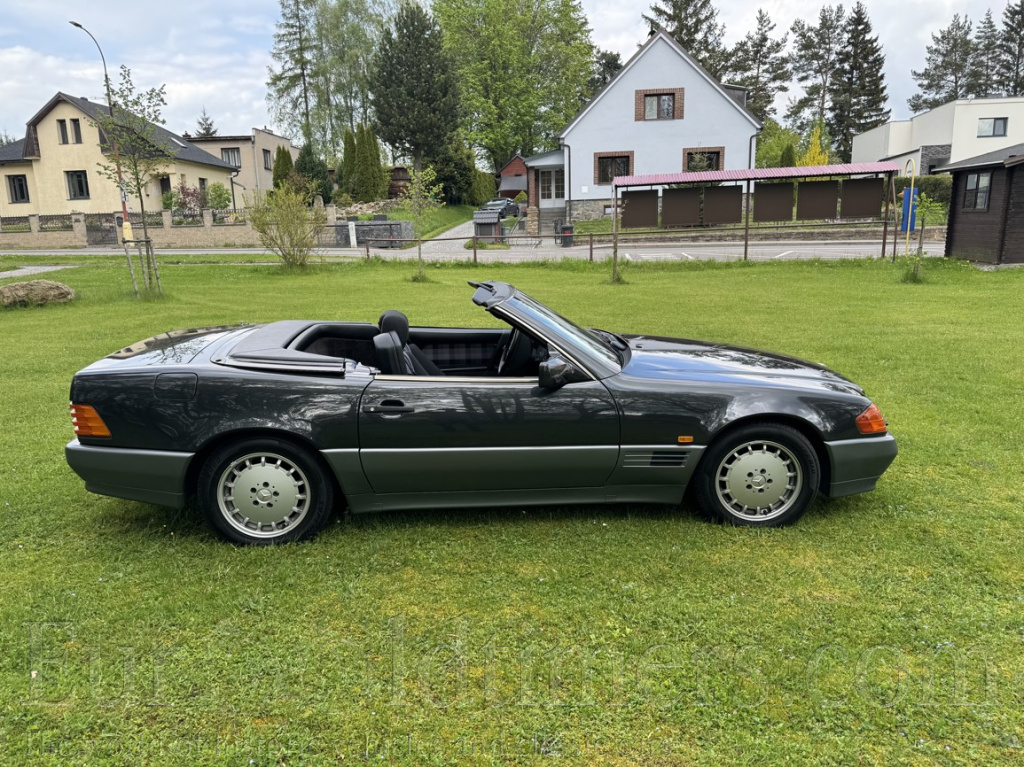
(524, 69)
(413, 87)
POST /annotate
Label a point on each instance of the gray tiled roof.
(12, 152)
(180, 147)
(997, 157)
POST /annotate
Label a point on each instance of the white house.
(661, 113)
(946, 134)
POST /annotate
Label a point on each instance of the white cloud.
(216, 55)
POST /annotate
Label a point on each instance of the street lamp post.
(125, 224)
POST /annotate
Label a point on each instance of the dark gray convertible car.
(269, 426)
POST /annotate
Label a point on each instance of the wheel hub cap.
(263, 494)
(759, 479)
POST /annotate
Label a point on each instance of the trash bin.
(566, 231)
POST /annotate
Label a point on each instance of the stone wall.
(206, 234)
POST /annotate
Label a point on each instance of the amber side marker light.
(87, 421)
(871, 421)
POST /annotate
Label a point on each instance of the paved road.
(532, 249)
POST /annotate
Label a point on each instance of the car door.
(477, 434)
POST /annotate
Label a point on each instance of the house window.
(991, 126)
(232, 156)
(17, 188)
(660, 106)
(696, 159)
(552, 184)
(62, 131)
(76, 131)
(78, 184)
(976, 193)
(611, 165)
(268, 160)
(202, 186)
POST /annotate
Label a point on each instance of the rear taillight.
(871, 421)
(87, 421)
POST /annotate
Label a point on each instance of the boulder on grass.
(35, 293)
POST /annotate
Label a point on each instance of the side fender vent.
(663, 459)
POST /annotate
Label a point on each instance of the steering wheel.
(516, 353)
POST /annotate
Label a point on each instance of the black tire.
(760, 475)
(284, 494)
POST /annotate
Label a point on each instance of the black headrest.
(390, 359)
(394, 321)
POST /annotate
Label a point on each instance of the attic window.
(179, 143)
(658, 104)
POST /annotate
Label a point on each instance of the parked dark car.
(270, 426)
(502, 204)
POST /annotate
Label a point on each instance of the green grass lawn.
(883, 629)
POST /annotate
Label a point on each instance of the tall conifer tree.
(948, 67)
(1011, 51)
(694, 25)
(760, 64)
(815, 60)
(414, 91)
(982, 79)
(858, 93)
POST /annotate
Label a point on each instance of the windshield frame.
(582, 346)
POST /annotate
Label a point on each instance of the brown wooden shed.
(986, 210)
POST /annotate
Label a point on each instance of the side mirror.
(555, 372)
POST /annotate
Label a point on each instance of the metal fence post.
(591, 246)
(474, 249)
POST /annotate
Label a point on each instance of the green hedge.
(938, 188)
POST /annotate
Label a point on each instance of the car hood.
(666, 358)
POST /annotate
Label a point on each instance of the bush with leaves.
(423, 194)
(286, 221)
(217, 196)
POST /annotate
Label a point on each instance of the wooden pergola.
(686, 201)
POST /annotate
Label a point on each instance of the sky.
(215, 55)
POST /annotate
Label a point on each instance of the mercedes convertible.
(269, 428)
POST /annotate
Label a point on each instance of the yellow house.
(55, 168)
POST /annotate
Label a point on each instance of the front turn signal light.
(87, 421)
(871, 421)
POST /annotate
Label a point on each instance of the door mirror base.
(555, 372)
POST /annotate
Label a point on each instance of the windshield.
(546, 319)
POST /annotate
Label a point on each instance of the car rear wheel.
(265, 491)
(761, 475)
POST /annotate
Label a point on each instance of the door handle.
(389, 407)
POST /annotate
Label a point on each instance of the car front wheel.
(761, 475)
(265, 491)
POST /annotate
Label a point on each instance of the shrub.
(286, 223)
(217, 196)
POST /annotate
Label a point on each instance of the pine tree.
(759, 63)
(694, 25)
(314, 170)
(288, 87)
(414, 91)
(204, 126)
(858, 92)
(947, 69)
(982, 81)
(606, 65)
(815, 60)
(283, 166)
(1010, 73)
(788, 157)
